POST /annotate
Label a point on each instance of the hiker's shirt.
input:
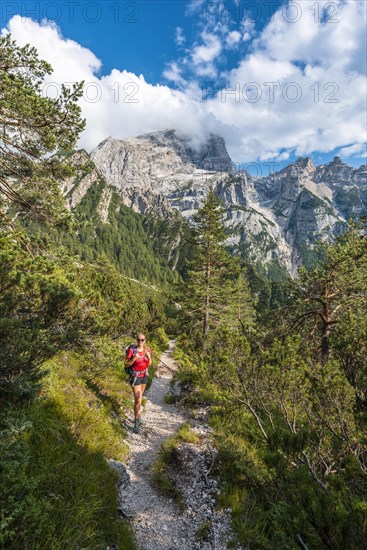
(141, 364)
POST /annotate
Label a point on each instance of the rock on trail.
(157, 521)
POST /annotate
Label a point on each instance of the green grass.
(202, 532)
(58, 491)
(87, 407)
(169, 398)
(185, 433)
(76, 486)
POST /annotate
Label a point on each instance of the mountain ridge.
(276, 218)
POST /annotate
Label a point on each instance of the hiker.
(137, 360)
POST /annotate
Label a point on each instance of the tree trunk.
(325, 345)
(206, 316)
(207, 296)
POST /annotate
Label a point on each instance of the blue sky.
(277, 79)
(136, 35)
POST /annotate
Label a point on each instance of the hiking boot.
(136, 428)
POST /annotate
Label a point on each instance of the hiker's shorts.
(136, 381)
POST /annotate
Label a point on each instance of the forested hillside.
(280, 364)
(66, 314)
(287, 393)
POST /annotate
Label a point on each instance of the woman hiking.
(138, 359)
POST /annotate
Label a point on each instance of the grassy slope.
(74, 501)
(68, 492)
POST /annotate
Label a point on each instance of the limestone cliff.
(275, 218)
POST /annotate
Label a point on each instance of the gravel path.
(157, 521)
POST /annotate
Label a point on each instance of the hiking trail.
(158, 522)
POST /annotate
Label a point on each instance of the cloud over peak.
(297, 87)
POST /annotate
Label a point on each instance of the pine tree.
(211, 274)
(35, 132)
(334, 289)
(243, 311)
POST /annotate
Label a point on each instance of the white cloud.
(208, 51)
(304, 100)
(268, 155)
(233, 39)
(79, 62)
(120, 104)
(247, 24)
(357, 149)
(247, 27)
(321, 62)
(203, 56)
(338, 42)
(194, 6)
(273, 155)
(173, 73)
(215, 33)
(283, 156)
(180, 37)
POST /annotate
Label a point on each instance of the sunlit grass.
(71, 492)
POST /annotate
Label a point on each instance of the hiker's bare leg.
(138, 399)
(138, 395)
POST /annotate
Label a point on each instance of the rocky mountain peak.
(305, 163)
(210, 155)
(292, 179)
(360, 175)
(275, 218)
(337, 160)
(335, 173)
